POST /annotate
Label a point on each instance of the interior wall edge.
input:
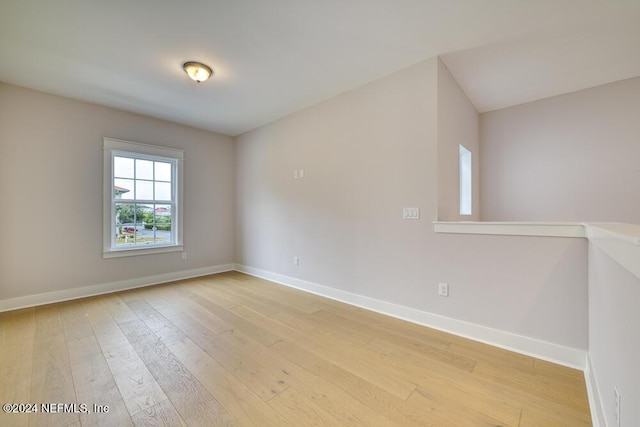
(595, 402)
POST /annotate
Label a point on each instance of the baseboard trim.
(551, 352)
(105, 288)
(595, 403)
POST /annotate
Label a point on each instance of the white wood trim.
(566, 356)
(105, 288)
(155, 249)
(619, 241)
(595, 402)
(628, 233)
(152, 150)
(112, 146)
(545, 229)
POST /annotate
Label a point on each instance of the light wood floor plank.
(167, 301)
(395, 327)
(17, 330)
(138, 388)
(535, 418)
(435, 358)
(106, 330)
(463, 395)
(226, 347)
(295, 406)
(425, 374)
(156, 322)
(117, 308)
(329, 317)
(358, 360)
(233, 350)
(51, 379)
(298, 322)
(334, 400)
(52, 382)
(18, 326)
(272, 324)
(369, 394)
(327, 392)
(276, 297)
(74, 321)
(540, 386)
(551, 370)
(94, 384)
(235, 295)
(201, 287)
(497, 356)
(178, 383)
(206, 414)
(450, 412)
(159, 415)
(259, 334)
(320, 391)
(238, 399)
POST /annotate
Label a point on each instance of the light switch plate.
(410, 213)
(443, 289)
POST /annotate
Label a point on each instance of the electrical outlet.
(295, 174)
(443, 289)
(184, 256)
(301, 173)
(296, 260)
(616, 394)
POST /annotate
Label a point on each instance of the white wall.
(51, 194)
(458, 123)
(366, 154)
(568, 158)
(614, 341)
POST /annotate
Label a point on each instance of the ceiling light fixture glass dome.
(197, 71)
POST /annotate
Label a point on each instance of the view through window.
(143, 202)
(465, 181)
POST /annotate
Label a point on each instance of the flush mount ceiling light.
(197, 71)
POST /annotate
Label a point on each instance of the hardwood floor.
(230, 349)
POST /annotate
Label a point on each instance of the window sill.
(119, 253)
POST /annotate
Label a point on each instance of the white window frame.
(466, 181)
(114, 147)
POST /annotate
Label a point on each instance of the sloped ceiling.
(274, 57)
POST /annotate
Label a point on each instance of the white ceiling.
(274, 57)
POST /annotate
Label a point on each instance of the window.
(142, 199)
(465, 181)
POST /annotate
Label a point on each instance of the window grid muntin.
(173, 162)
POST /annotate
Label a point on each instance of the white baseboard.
(595, 403)
(105, 288)
(551, 352)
